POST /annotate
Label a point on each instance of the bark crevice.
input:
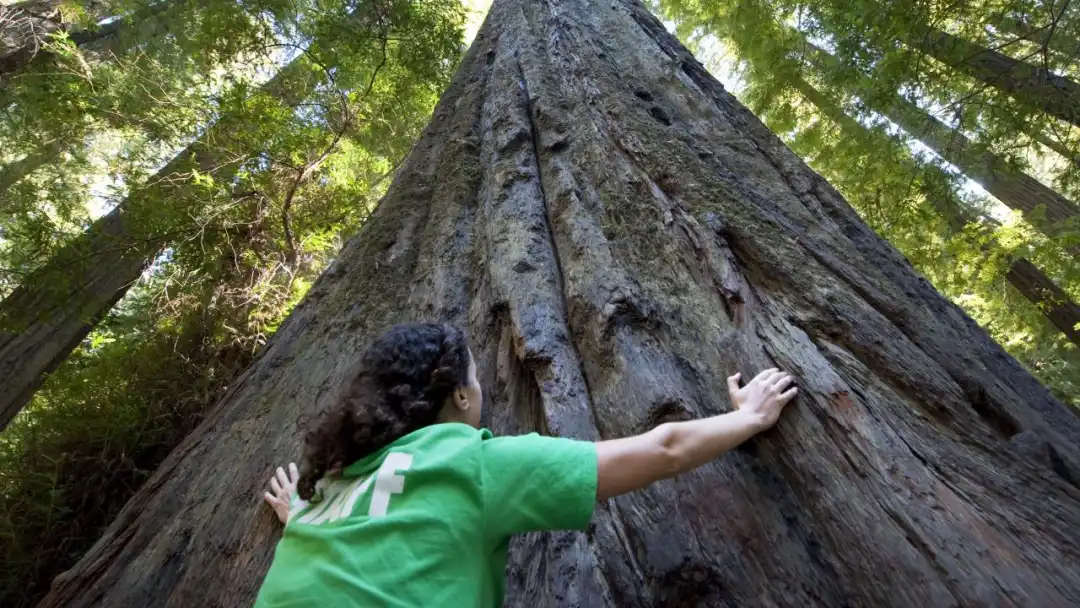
(538, 153)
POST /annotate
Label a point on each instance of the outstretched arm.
(673, 448)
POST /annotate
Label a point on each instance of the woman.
(404, 501)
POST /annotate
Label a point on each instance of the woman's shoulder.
(443, 434)
(435, 442)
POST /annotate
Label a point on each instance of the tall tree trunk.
(1031, 282)
(1031, 85)
(1057, 146)
(1047, 210)
(11, 173)
(51, 311)
(1048, 36)
(618, 234)
(37, 332)
(1015, 189)
(1044, 293)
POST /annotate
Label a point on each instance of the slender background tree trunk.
(1044, 293)
(1031, 282)
(1048, 36)
(1015, 189)
(11, 173)
(1031, 85)
(54, 308)
(44, 319)
(618, 234)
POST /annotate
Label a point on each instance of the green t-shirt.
(426, 520)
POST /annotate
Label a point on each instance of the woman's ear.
(461, 398)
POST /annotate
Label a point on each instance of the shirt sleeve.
(532, 483)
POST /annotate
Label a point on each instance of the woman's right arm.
(631, 463)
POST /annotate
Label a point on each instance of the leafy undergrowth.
(95, 432)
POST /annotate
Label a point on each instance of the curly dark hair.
(405, 377)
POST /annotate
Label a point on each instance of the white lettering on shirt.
(340, 498)
(388, 482)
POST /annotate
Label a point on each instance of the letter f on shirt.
(388, 482)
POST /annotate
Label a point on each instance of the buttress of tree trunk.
(55, 308)
(619, 234)
(1030, 84)
(1028, 279)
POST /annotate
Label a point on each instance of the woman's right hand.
(763, 398)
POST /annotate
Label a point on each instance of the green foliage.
(289, 118)
(909, 196)
(99, 428)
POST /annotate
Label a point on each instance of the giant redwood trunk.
(618, 234)
(1028, 279)
(55, 307)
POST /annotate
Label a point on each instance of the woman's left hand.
(283, 487)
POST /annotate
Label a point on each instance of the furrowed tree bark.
(1047, 210)
(619, 234)
(54, 308)
(1031, 85)
(1032, 283)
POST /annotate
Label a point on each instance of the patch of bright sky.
(476, 10)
